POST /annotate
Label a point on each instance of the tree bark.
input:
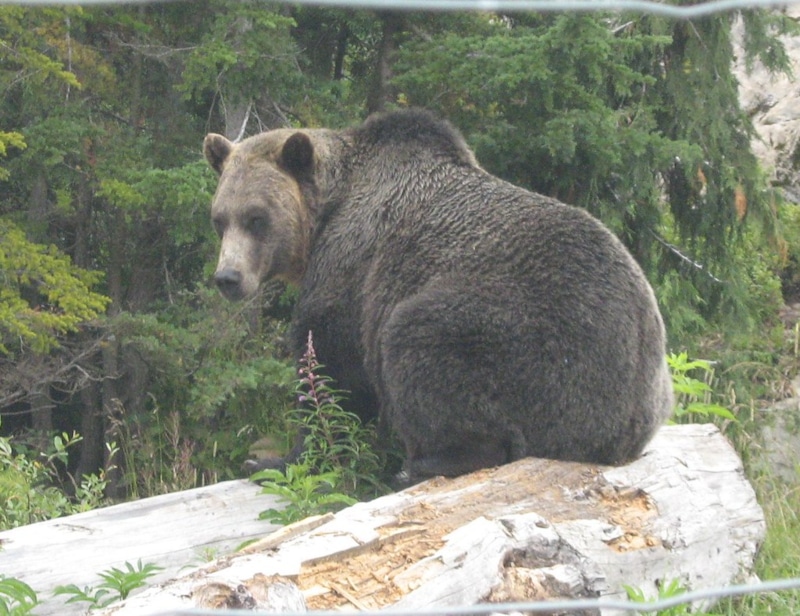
(381, 91)
(41, 406)
(41, 413)
(341, 51)
(91, 459)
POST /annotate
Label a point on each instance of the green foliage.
(173, 194)
(693, 395)
(335, 439)
(16, 597)
(117, 584)
(738, 295)
(215, 386)
(666, 590)
(9, 140)
(43, 294)
(337, 460)
(29, 36)
(304, 491)
(789, 250)
(243, 43)
(30, 483)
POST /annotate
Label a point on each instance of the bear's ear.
(216, 149)
(297, 155)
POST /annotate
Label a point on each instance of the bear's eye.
(257, 224)
(219, 226)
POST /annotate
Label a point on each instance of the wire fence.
(645, 6)
(566, 606)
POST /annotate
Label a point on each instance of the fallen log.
(171, 531)
(528, 531)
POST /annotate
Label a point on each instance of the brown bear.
(483, 322)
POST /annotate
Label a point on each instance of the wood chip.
(287, 532)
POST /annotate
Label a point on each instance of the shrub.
(338, 460)
(31, 486)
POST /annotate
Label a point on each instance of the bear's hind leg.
(443, 357)
(478, 452)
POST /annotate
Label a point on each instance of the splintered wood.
(366, 581)
(531, 530)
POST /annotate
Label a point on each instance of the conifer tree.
(634, 117)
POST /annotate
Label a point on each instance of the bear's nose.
(229, 281)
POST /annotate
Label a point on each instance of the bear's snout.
(229, 282)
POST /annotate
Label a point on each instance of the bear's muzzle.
(229, 282)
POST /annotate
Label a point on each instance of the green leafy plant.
(338, 461)
(304, 492)
(335, 439)
(666, 590)
(202, 556)
(123, 581)
(117, 585)
(62, 292)
(693, 396)
(31, 482)
(16, 597)
(95, 597)
(216, 383)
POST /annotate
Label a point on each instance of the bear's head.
(260, 209)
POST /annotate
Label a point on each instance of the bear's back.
(418, 197)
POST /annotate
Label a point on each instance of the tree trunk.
(381, 91)
(237, 106)
(91, 460)
(341, 52)
(41, 405)
(39, 208)
(112, 409)
(41, 413)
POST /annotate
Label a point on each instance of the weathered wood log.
(532, 530)
(172, 531)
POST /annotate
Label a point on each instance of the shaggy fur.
(483, 322)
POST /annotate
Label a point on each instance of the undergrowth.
(749, 377)
(16, 597)
(117, 584)
(339, 464)
(34, 486)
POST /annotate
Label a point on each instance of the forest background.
(108, 324)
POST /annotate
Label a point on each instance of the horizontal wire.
(643, 6)
(537, 607)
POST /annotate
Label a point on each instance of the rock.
(773, 102)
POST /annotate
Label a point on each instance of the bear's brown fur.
(483, 322)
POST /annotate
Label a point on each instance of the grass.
(779, 557)
(780, 554)
(748, 382)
